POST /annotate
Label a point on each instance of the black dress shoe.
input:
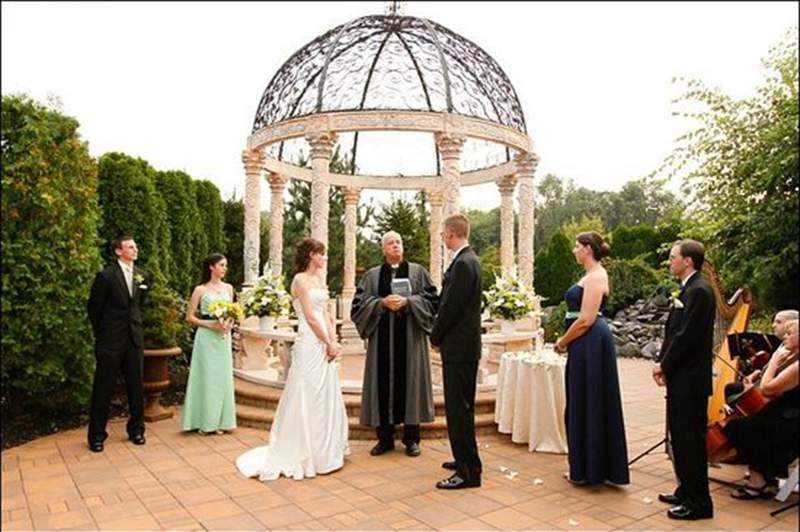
(452, 466)
(381, 448)
(412, 449)
(457, 482)
(138, 439)
(669, 498)
(96, 447)
(683, 513)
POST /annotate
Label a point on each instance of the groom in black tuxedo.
(457, 334)
(114, 311)
(684, 366)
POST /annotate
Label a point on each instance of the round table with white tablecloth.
(531, 398)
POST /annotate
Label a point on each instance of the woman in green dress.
(209, 406)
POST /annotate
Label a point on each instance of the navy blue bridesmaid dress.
(595, 427)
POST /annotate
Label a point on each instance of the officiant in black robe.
(393, 309)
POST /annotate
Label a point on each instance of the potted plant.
(162, 325)
(508, 301)
(267, 299)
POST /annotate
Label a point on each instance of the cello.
(749, 403)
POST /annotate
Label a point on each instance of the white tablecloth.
(531, 399)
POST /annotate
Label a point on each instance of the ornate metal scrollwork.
(390, 62)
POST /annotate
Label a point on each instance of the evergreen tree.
(131, 205)
(209, 205)
(175, 188)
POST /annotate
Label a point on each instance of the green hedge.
(630, 279)
(50, 256)
(555, 270)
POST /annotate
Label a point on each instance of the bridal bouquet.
(509, 299)
(226, 310)
(267, 297)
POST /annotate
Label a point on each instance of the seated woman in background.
(782, 317)
(767, 441)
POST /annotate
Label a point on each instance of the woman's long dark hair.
(208, 262)
(303, 252)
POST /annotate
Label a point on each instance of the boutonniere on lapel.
(139, 279)
(676, 303)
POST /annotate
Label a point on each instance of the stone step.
(260, 418)
(266, 397)
(256, 405)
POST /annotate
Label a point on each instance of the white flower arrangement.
(267, 297)
(510, 299)
(541, 357)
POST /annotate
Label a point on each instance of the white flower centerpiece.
(545, 357)
(508, 301)
(268, 300)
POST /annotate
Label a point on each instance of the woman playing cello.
(768, 440)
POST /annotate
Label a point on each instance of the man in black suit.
(457, 334)
(114, 311)
(684, 366)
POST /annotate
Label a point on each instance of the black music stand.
(664, 441)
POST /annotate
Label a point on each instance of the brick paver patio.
(187, 481)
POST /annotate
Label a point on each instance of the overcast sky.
(179, 83)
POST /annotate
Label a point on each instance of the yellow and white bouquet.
(226, 310)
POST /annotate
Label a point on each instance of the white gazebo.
(389, 73)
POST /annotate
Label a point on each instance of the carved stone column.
(450, 150)
(253, 163)
(436, 200)
(526, 166)
(277, 183)
(321, 150)
(507, 185)
(350, 339)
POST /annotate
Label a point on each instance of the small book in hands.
(401, 287)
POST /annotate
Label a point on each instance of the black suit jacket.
(115, 316)
(457, 330)
(687, 352)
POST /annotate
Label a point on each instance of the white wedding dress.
(309, 433)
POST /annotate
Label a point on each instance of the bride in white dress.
(309, 433)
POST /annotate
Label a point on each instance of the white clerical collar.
(686, 280)
(459, 250)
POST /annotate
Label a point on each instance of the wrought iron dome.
(391, 63)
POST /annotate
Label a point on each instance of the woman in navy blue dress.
(595, 427)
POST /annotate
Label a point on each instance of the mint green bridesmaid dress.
(209, 403)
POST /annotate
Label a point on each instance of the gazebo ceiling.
(391, 63)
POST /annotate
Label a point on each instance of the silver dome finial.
(395, 9)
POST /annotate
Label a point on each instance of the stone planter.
(507, 326)
(155, 381)
(266, 323)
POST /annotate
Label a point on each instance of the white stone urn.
(266, 323)
(507, 326)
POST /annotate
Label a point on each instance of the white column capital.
(321, 144)
(435, 196)
(276, 181)
(351, 195)
(507, 185)
(253, 161)
(526, 163)
(449, 145)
